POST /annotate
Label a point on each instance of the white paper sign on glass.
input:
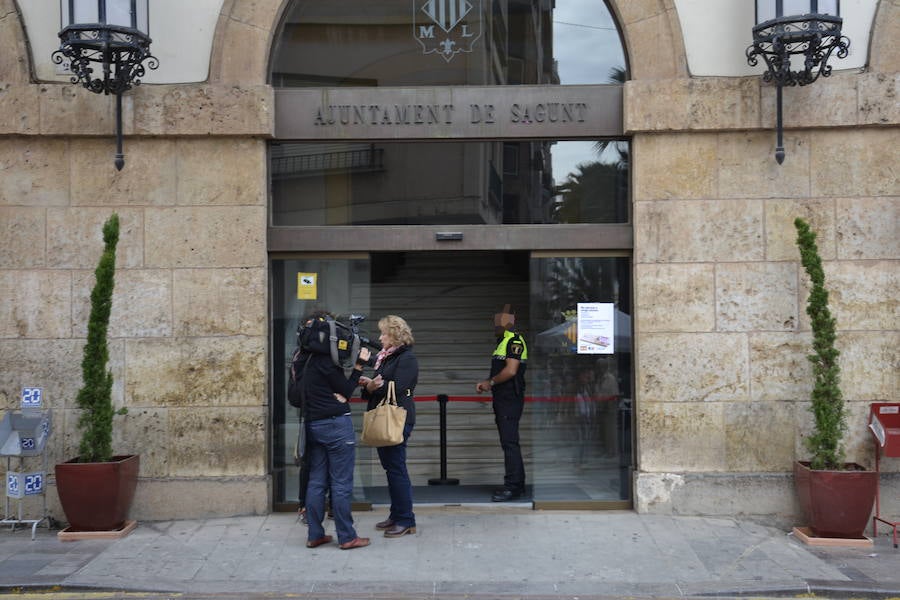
(596, 328)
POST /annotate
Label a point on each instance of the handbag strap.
(391, 396)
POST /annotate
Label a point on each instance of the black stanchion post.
(443, 480)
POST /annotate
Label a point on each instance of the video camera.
(323, 334)
(355, 320)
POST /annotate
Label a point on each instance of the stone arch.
(15, 59)
(651, 31)
(246, 30)
(243, 41)
(884, 51)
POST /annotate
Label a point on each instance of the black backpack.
(324, 335)
(320, 335)
(295, 394)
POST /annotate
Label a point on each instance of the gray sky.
(587, 47)
(586, 43)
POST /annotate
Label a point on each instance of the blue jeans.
(332, 452)
(393, 459)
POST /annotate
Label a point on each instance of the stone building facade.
(720, 333)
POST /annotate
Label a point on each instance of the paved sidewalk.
(482, 551)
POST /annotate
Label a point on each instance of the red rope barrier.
(487, 398)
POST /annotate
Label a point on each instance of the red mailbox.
(884, 423)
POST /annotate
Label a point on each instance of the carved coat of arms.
(447, 27)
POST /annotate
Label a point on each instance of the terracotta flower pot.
(97, 496)
(836, 504)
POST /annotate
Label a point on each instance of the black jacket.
(322, 380)
(402, 368)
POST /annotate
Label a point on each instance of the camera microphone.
(370, 343)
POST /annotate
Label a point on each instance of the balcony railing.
(307, 165)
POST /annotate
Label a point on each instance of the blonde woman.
(395, 362)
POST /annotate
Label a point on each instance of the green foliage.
(580, 201)
(95, 396)
(827, 401)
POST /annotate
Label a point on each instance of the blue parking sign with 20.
(32, 397)
(19, 485)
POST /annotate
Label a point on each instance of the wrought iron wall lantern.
(112, 35)
(811, 29)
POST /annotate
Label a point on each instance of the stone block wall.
(188, 330)
(722, 378)
(188, 326)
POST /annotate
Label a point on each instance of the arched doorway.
(437, 163)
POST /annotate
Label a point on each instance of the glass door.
(301, 285)
(580, 365)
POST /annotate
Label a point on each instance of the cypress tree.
(95, 396)
(827, 407)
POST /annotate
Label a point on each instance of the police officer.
(507, 386)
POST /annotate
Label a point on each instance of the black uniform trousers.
(508, 409)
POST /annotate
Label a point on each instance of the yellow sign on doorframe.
(307, 288)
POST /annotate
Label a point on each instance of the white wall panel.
(717, 33)
(182, 34)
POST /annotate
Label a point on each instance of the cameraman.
(331, 446)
